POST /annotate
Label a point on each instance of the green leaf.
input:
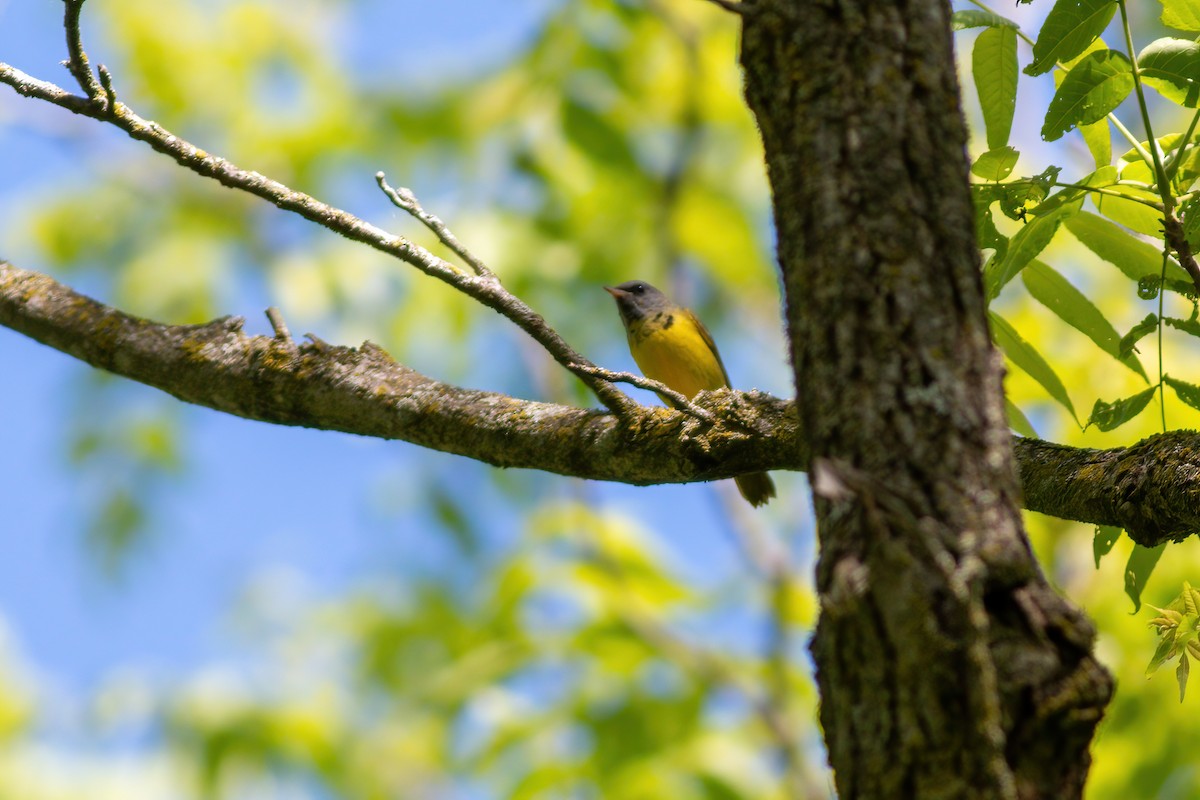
(1187, 392)
(1069, 28)
(1119, 247)
(1181, 673)
(1016, 197)
(1182, 15)
(975, 18)
(1098, 139)
(1051, 289)
(1188, 326)
(1190, 211)
(994, 68)
(1189, 163)
(1109, 416)
(1137, 571)
(1102, 542)
(1164, 650)
(985, 230)
(1138, 332)
(1094, 87)
(1017, 420)
(1136, 210)
(1027, 359)
(995, 165)
(1172, 66)
(1023, 247)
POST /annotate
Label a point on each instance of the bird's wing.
(708, 340)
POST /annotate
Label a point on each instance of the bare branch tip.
(278, 325)
(318, 343)
(110, 94)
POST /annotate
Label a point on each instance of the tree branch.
(1151, 489)
(364, 391)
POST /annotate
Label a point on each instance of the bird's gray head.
(637, 299)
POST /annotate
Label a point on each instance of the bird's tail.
(756, 487)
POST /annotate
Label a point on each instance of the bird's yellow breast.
(670, 348)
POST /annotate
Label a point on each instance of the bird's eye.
(639, 288)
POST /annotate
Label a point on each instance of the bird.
(671, 346)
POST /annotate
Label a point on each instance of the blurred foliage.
(573, 659)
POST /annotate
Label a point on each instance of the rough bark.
(1151, 488)
(947, 666)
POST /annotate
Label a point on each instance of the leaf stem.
(1164, 185)
(1111, 193)
(1133, 140)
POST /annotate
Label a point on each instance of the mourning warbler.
(672, 347)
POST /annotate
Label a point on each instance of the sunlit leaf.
(1094, 87)
(1024, 247)
(1136, 209)
(1026, 358)
(995, 165)
(1098, 139)
(1109, 416)
(1189, 393)
(1138, 332)
(1182, 15)
(1164, 651)
(1117, 246)
(994, 68)
(1137, 571)
(1172, 66)
(1069, 28)
(1052, 290)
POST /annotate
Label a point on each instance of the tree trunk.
(946, 664)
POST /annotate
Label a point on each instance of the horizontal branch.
(364, 391)
(1151, 489)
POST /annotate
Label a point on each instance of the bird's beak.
(617, 293)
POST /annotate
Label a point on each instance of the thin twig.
(78, 64)
(405, 199)
(278, 325)
(110, 94)
(678, 401)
